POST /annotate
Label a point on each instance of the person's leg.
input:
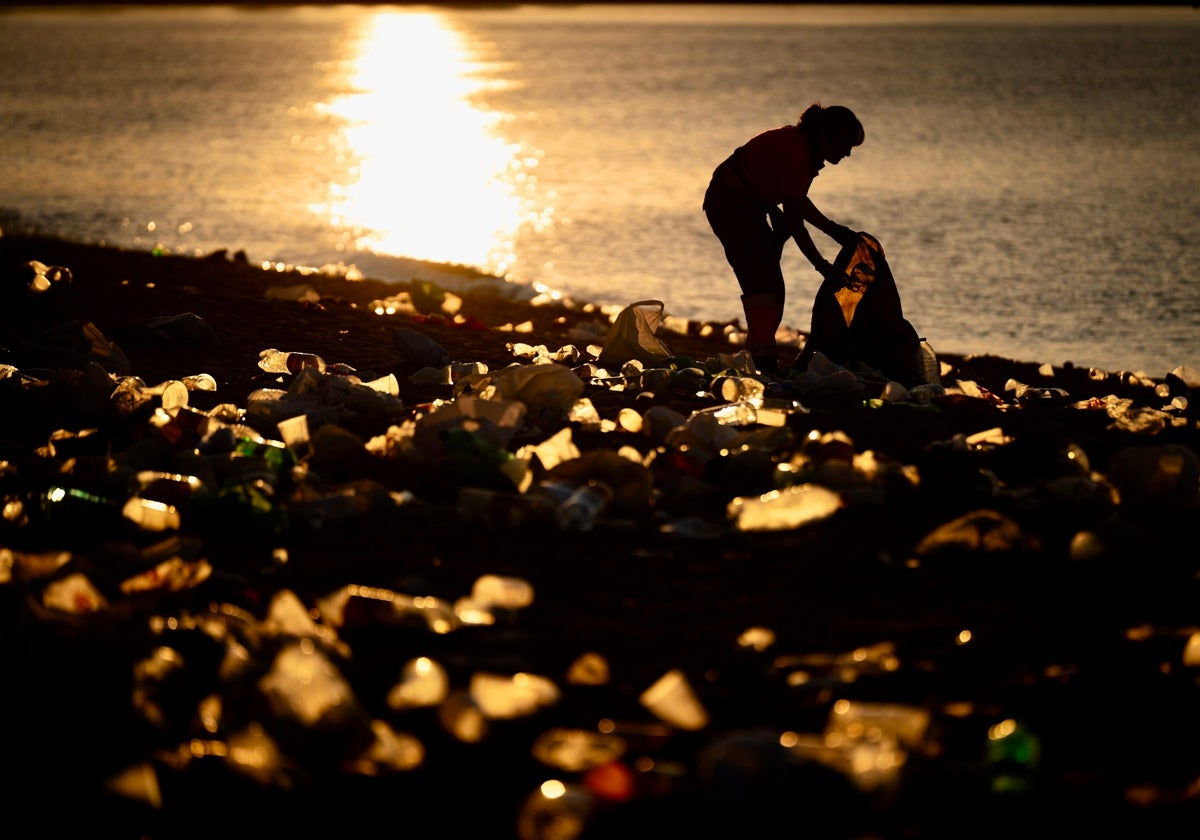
(752, 250)
(764, 314)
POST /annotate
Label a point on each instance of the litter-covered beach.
(434, 567)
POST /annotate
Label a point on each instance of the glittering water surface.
(1032, 172)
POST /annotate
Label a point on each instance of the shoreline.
(1047, 511)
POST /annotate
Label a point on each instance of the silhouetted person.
(774, 170)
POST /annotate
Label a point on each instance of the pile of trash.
(176, 662)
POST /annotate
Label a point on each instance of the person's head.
(832, 133)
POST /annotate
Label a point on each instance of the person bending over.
(758, 198)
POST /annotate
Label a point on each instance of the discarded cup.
(672, 700)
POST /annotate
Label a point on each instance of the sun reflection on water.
(429, 175)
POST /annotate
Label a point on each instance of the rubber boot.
(764, 314)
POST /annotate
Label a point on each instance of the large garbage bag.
(857, 319)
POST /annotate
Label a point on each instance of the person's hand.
(830, 273)
(843, 236)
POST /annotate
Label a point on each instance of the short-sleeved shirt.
(776, 164)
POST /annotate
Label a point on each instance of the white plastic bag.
(633, 336)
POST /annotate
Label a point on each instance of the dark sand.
(1072, 567)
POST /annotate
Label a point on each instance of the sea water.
(1033, 172)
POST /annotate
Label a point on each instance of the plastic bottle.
(273, 361)
(556, 810)
(298, 361)
(182, 427)
(247, 505)
(151, 514)
(275, 454)
(737, 388)
(476, 460)
(581, 510)
(931, 373)
(742, 413)
(502, 591)
(280, 361)
(784, 509)
(78, 508)
(1013, 757)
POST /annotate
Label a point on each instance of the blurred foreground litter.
(503, 610)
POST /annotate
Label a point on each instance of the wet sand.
(1005, 581)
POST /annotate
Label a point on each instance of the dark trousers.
(752, 248)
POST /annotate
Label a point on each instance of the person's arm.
(838, 233)
(797, 214)
(804, 242)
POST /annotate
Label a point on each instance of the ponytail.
(836, 119)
